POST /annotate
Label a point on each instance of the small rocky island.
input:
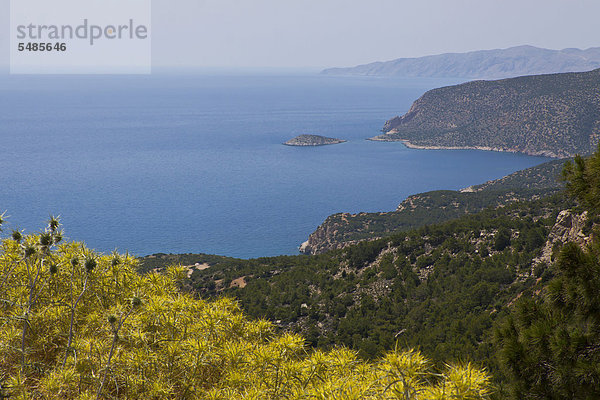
(312, 140)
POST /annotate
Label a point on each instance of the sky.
(327, 33)
(323, 33)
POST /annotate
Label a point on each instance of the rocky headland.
(344, 229)
(554, 115)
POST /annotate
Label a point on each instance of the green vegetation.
(583, 180)
(485, 276)
(471, 288)
(439, 288)
(340, 230)
(550, 344)
(160, 260)
(543, 177)
(78, 325)
(556, 115)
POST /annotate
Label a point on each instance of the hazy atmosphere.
(321, 33)
(325, 33)
(309, 199)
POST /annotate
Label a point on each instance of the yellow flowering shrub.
(79, 325)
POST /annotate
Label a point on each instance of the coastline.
(408, 144)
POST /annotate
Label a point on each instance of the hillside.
(441, 286)
(515, 288)
(553, 115)
(453, 290)
(343, 229)
(484, 64)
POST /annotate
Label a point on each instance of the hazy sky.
(299, 33)
(322, 33)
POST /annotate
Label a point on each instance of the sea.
(194, 162)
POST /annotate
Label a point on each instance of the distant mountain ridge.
(556, 115)
(483, 64)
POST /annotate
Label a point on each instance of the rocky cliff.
(554, 115)
(569, 227)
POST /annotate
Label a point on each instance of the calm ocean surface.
(195, 163)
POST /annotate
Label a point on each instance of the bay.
(194, 163)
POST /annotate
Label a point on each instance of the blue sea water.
(194, 163)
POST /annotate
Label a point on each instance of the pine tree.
(550, 344)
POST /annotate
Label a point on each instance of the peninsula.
(312, 140)
(554, 115)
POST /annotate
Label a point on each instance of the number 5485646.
(32, 46)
